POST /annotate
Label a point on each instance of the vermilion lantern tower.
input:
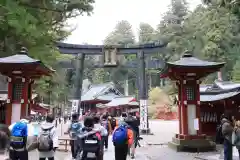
(21, 71)
(187, 73)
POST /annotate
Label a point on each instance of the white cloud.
(107, 13)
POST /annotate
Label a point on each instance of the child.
(47, 139)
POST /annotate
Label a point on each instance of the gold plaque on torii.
(110, 56)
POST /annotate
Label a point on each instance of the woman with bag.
(236, 136)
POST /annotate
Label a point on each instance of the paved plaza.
(154, 147)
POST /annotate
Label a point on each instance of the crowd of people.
(89, 137)
(93, 136)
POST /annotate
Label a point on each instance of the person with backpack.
(106, 124)
(134, 125)
(90, 141)
(47, 139)
(20, 131)
(122, 138)
(74, 129)
(227, 130)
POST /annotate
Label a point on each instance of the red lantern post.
(187, 73)
(21, 71)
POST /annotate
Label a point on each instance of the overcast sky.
(93, 29)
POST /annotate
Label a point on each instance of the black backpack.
(91, 147)
(219, 136)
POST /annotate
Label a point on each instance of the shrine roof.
(121, 101)
(101, 92)
(189, 61)
(45, 106)
(107, 97)
(203, 88)
(40, 107)
(219, 90)
(227, 84)
(216, 97)
(219, 86)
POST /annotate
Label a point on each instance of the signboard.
(110, 56)
(75, 106)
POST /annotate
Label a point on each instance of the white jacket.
(53, 134)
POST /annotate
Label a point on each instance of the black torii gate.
(110, 60)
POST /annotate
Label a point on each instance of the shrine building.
(97, 94)
(120, 104)
(216, 99)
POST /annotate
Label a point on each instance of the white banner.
(143, 114)
(75, 106)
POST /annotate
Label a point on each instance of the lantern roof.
(187, 60)
(189, 66)
(22, 64)
(18, 58)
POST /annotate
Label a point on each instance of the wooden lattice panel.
(17, 91)
(190, 93)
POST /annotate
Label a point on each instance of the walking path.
(154, 147)
(217, 155)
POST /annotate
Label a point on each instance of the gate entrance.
(110, 59)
